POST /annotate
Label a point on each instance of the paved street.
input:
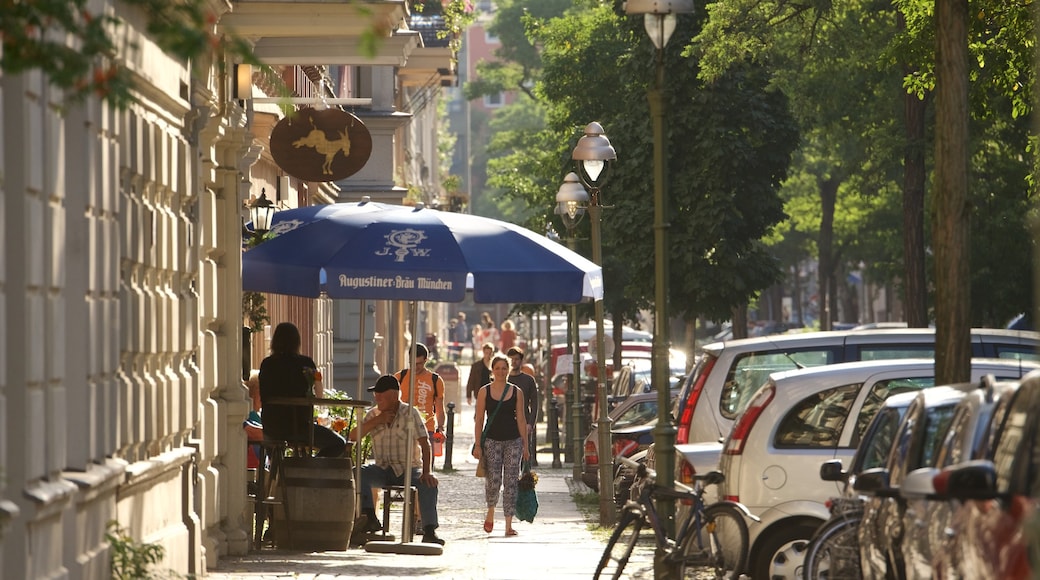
(558, 545)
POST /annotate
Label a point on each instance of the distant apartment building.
(470, 118)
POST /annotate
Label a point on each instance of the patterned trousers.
(501, 470)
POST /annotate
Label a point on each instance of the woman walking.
(503, 441)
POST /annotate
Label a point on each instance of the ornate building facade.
(121, 344)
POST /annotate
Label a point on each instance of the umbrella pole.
(407, 515)
(415, 548)
(360, 395)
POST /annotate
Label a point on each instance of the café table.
(263, 487)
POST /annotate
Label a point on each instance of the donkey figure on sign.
(317, 139)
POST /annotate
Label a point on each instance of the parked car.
(833, 551)
(924, 426)
(631, 431)
(926, 521)
(994, 523)
(635, 377)
(728, 373)
(793, 423)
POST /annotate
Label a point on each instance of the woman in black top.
(287, 373)
(504, 441)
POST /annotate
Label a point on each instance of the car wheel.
(781, 554)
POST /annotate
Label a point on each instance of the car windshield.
(752, 370)
(637, 414)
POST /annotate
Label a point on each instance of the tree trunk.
(740, 321)
(952, 213)
(828, 199)
(914, 177)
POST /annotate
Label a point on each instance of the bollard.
(554, 432)
(532, 437)
(449, 435)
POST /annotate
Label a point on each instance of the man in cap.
(388, 424)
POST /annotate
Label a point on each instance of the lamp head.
(571, 200)
(261, 212)
(593, 152)
(659, 17)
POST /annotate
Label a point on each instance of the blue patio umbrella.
(378, 251)
(369, 250)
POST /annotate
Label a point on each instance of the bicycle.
(833, 552)
(714, 536)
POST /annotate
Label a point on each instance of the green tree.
(729, 144)
(885, 52)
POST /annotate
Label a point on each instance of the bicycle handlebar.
(712, 477)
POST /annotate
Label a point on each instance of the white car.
(728, 373)
(795, 422)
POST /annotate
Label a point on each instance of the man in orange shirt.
(429, 390)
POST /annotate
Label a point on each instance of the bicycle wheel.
(833, 552)
(619, 547)
(721, 543)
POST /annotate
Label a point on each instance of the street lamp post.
(571, 201)
(659, 18)
(594, 155)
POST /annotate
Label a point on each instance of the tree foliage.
(730, 143)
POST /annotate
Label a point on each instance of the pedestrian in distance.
(477, 338)
(501, 431)
(479, 373)
(527, 386)
(454, 348)
(287, 373)
(462, 335)
(489, 330)
(429, 391)
(507, 336)
(388, 424)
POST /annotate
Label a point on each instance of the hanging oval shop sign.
(326, 145)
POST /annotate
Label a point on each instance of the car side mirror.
(832, 470)
(918, 483)
(969, 480)
(873, 482)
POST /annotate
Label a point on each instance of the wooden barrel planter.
(320, 501)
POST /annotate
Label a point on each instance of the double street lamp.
(571, 201)
(594, 155)
(660, 18)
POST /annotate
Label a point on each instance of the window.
(751, 371)
(1011, 434)
(1012, 352)
(638, 414)
(882, 390)
(817, 421)
(950, 452)
(873, 452)
(888, 352)
(495, 100)
(924, 428)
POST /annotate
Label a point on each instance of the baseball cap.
(385, 383)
